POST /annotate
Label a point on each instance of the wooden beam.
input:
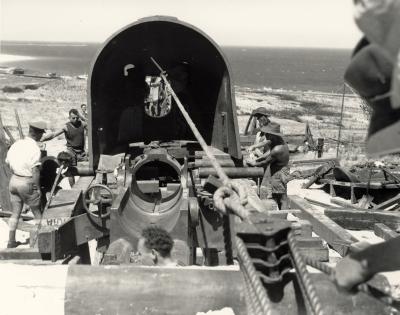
(372, 185)
(320, 203)
(363, 220)
(388, 203)
(20, 253)
(315, 161)
(336, 236)
(383, 231)
(10, 136)
(5, 172)
(344, 204)
(21, 133)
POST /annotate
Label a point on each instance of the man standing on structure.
(74, 132)
(275, 161)
(23, 158)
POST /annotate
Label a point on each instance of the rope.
(238, 209)
(259, 302)
(304, 276)
(363, 287)
(221, 174)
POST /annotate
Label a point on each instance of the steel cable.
(258, 290)
(304, 276)
(239, 209)
(254, 279)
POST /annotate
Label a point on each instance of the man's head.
(156, 244)
(74, 116)
(262, 116)
(263, 120)
(37, 129)
(272, 132)
(83, 108)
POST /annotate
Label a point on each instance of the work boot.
(13, 244)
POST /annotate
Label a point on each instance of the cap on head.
(38, 124)
(261, 111)
(272, 128)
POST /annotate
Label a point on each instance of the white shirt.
(23, 156)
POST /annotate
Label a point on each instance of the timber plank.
(63, 204)
(20, 253)
(315, 161)
(383, 231)
(83, 182)
(388, 203)
(331, 232)
(372, 185)
(363, 220)
(5, 172)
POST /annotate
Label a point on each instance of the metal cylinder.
(161, 207)
(207, 163)
(233, 172)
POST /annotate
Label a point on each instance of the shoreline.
(4, 58)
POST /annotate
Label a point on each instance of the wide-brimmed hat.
(38, 124)
(260, 111)
(273, 129)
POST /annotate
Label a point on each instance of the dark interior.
(116, 111)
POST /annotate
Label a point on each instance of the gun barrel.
(233, 172)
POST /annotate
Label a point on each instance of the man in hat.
(257, 149)
(23, 157)
(275, 161)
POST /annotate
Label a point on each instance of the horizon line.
(221, 45)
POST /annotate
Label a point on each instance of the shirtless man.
(155, 245)
(275, 161)
(74, 132)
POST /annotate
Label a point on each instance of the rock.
(12, 89)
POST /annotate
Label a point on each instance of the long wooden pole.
(340, 123)
(21, 134)
(5, 173)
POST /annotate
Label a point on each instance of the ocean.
(254, 67)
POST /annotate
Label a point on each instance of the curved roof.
(117, 88)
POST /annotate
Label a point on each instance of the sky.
(273, 23)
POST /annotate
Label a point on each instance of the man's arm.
(259, 145)
(81, 117)
(52, 135)
(265, 159)
(361, 266)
